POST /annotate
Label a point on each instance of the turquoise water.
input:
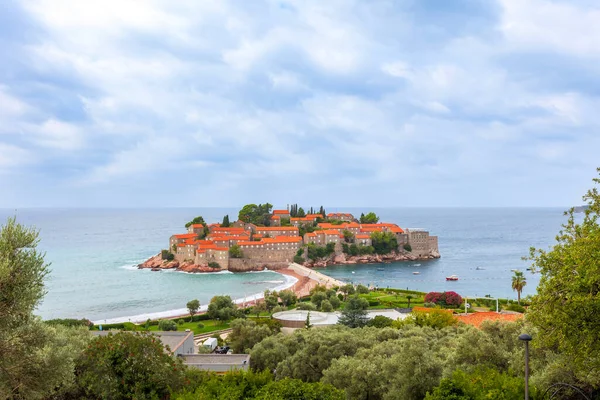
(93, 253)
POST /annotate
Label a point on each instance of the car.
(222, 350)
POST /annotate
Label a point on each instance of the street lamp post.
(526, 338)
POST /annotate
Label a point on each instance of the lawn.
(210, 325)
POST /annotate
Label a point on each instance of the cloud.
(340, 102)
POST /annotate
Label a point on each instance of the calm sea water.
(93, 254)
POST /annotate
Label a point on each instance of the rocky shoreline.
(156, 263)
(343, 259)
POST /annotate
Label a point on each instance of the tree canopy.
(193, 306)
(567, 303)
(197, 220)
(256, 214)
(222, 307)
(370, 218)
(384, 242)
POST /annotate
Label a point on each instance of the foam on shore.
(288, 282)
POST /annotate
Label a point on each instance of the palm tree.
(409, 297)
(518, 283)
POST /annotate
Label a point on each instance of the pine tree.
(226, 223)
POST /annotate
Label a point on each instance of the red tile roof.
(476, 319)
(275, 217)
(197, 226)
(186, 235)
(363, 237)
(281, 212)
(276, 228)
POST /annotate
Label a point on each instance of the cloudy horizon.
(349, 103)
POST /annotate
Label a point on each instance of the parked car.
(222, 350)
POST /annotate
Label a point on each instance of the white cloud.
(13, 156)
(552, 25)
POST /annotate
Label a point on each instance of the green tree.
(295, 389)
(409, 298)
(167, 325)
(380, 321)
(481, 384)
(197, 220)
(370, 218)
(288, 297)
(326, 306)
(128, 365)
(301, 213)
(317, 298)
(334, 301)
(225, 223)
(235, 251)
(567, 303)
(518, 283)
(246, 334)
(354, 314)
(362, 289)
(256, 214)
(384, 242)
(348, 236)
(193, 306)
(347, 289)
(222, 308)
(259, 308)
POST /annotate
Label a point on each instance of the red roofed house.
(273, 231)
(341, 216)
(196, 228)
(180, 238)
(275, 220)
(282, 213)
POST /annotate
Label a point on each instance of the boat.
(452, 278)
(479, 268)
(416, 273)
(380, 269)
(417, 265)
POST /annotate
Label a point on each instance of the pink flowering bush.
(452, 299)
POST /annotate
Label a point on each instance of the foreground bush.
(127, 365)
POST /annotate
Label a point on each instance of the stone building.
(274, 231)
(278, 249)
(196, 228)
(363, 240)
(180, 238)
(282, 213)
(341, 216)
(421, 243)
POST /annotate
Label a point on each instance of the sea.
(94, 253)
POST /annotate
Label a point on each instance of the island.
(267, 238)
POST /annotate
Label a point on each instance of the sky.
(341, 102)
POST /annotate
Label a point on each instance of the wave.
(287, 283)
(131, 267)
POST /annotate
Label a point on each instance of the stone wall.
(271, 255)
(244, 264)
(433, 244)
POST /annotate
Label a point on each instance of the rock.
(155, 269)
(340, 258)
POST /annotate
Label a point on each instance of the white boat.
(452, 278)
(417, 265)
(416, 273)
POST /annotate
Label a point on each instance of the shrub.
(167, 255)
(373, 303)
(452, 299)
(340, 297)
(167, 325)
(380, 321)
(362, 289)
(515, 307)
(180, 321)
(298, 259)
(200, 325)
(214, 264)
(201, 317)
(429, 305)
(235, 251)
(335, 302)
(70, 322)
(407, 247)
(326, 306)
(277, 309)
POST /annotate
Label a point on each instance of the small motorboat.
(479, 268)
(452, 278)
(417, 265)
(416, 272)
(380, 269)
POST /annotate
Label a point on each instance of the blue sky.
(342, 103)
